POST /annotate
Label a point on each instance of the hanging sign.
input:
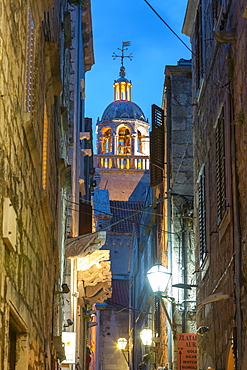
(187, 351)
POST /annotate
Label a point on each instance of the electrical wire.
(134, 222)
(115, 223)
(119, 208)
(187, 47)
(167, 25)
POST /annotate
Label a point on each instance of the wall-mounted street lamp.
(146, 336)
(122, 345)
(159, 277)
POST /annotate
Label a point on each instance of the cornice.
(190, 17)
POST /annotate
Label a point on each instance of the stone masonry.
(30, 203)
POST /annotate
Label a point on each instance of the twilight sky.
(153, 46)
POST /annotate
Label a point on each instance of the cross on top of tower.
(122, 56)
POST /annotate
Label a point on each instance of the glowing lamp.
(122, 343)
(158, 277)
(146, 336)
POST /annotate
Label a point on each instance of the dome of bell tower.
(121, 109)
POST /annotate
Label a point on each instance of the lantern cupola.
(122, 87)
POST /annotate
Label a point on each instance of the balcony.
(123, 162)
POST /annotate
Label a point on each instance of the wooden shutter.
(85, 219)
(220, 167)
(157, 329)
(157, 147)
(202, 216)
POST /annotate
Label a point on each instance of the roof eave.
(190, 16)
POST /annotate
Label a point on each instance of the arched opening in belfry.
(139, 142)
(124, 140)
(106, 141)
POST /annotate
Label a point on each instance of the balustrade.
(125, 162)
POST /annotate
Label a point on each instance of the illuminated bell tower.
(122, 133)
(122, 166)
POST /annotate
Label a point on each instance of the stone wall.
(125, 185)
(222, 85)
(113, 325)
(29, 207)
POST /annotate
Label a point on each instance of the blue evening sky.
(153, 46)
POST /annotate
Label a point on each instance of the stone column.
(114, 144)
(134, 143)
(145, 145)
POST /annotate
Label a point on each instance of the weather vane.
(124, 47)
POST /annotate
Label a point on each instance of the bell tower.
(123, 131)
(122, 165)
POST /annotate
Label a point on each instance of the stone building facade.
(165, 234)
(87, 269)
(217, 31)
(33, 184)
(177, 105)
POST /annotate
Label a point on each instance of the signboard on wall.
(69, 341)
(187, 351)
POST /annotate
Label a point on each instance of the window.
(220, 166)
(202, 214)
(12, 347)
(157, 150)
(157, 324)
(17, 342)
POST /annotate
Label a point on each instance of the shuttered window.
(157, 325)
(202, 215)
(220, 167)
(85, 218)
(157, 146)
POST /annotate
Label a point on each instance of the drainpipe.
(238, 250)
(169, 206)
